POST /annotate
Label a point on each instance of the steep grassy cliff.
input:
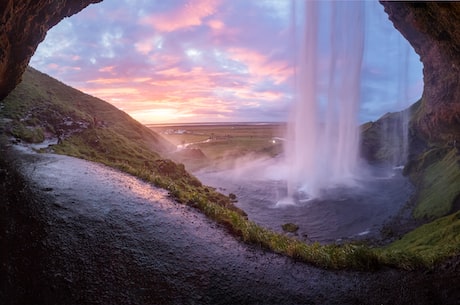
(42, 107)
(434, 169)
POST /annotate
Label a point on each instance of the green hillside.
(42, 107)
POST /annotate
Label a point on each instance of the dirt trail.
(82, 233)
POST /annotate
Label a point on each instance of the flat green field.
(222, 143)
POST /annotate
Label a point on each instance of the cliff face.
(23, 25)
(433, 29)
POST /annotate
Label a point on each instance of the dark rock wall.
(433, 29)
(23, 25)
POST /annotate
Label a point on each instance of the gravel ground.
(75, 232)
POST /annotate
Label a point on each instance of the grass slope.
(429, 244)
(437, 173)
(41, 107)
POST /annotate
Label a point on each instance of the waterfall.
(323, 135)
(403, 103)
(394, 137)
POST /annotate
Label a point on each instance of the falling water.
(323, 136)
(395, 133)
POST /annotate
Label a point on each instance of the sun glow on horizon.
(171, 115)
(160, 115)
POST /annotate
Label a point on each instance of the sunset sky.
(211, 60)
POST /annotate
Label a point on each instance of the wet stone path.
(110, 238)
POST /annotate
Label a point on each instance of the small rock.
(290, 227)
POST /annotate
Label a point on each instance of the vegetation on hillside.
(427, 245)
(437, 176)
(45, 106)
(89, 128)
(92, 129)
(434, 169)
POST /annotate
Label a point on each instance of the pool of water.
(339, 213)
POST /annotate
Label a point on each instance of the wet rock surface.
(23, 26)
(74, 232)
(432, 28)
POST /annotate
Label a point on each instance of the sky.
(214, 60)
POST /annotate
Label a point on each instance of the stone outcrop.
(433, 29)
(23, 25)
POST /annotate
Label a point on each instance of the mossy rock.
(28, 133)
(290, 227)
(439, 185)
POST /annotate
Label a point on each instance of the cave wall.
(433, 29)
(23, 25)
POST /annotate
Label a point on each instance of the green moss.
(437, 176)
(325, 256)
(28, 134)
(426, 245)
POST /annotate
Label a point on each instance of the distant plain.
(222, 143)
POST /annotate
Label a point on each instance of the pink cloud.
(146, 44)
(109, 93)
(107, 69)
(53, 66)
(247, 93)
(144, 47)
(107, 81)
(165, 59)
(191, 14)
(222, 34)
(62, 69)
(260, 66)
(196, 79)
(140, 79)
(216, 24)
